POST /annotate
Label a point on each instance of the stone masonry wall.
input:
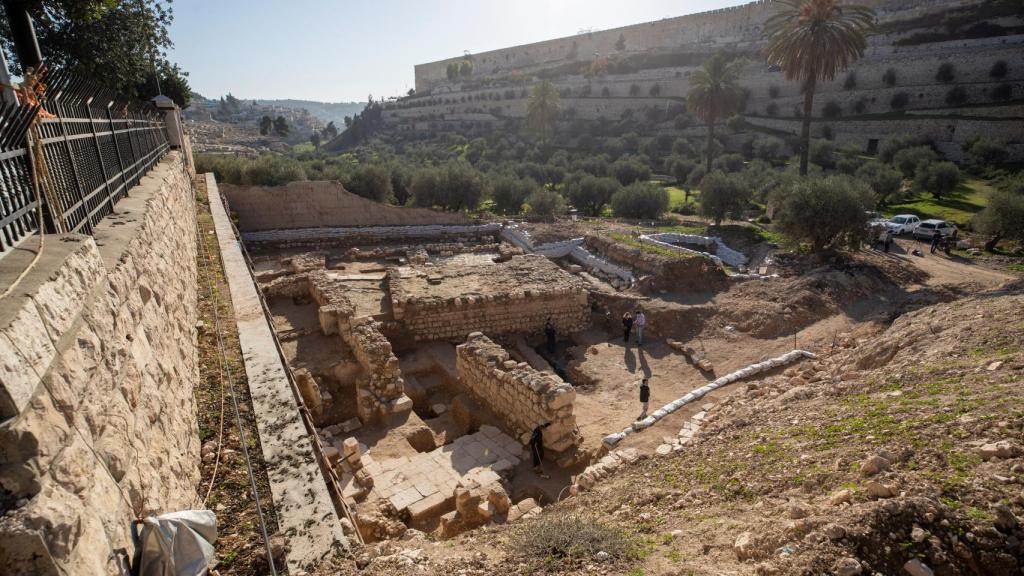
(683, 273)
(519, 311)
(523, 397)
(98, 355)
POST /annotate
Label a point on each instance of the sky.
(345, 50)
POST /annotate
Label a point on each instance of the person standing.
(645, 398)
(886, 239)
(549, 332)
(936, 238)
(627, 326)
(639, 320)
(537, 449)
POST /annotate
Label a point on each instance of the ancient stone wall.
(680, 274)
(525, 311)
(523, 397)
(98, 347)
(312, 204)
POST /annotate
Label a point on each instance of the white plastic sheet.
(178, 543)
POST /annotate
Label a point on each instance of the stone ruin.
(435, 423)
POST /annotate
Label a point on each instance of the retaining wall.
(99, 362)
(310, 204)
(523, 397)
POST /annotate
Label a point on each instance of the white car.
(927, 229)
(903, 224)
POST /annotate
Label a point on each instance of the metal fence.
(96, 146)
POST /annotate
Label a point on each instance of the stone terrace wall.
(321, 204)
(503, 313)
(684, 273)
(99, 363)
(523, 397)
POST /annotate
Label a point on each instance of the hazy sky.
(343, 50)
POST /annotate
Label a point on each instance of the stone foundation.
(99, 363)
(518, 295)
(677, 274)
(522, 396)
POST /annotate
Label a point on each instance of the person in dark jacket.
(627, 326)
(936, 238)
(645, 398)
(549, 332)
(537, 449)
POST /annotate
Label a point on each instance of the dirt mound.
(800, 297)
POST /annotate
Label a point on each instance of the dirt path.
(947, 269)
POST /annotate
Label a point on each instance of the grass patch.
(677, 197)
(648, 248)
(958, 206)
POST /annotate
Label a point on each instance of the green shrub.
(680, 168)
(886, 182)
(986, 151)
(890, 146)
(590, 194)
(456, 186)
(544, 203)
(629, 171)
(908, 160)
(728, 163)
(640, 200)
(371, 181)
(850, 82)
(723, 195)
(832, 109)
(823, 153)
(939, 178)
(695, 176)
(1003, 217)
(824, 212)
(509, 193)
(899, 101)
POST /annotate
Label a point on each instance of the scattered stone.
(797, 510)
(835, 532)
(843, 496)
(995, 366)
(918, 535)
(602, 556)
(1005, 520)
(915, 567)
(663, 450)
(350, 425)
(847, 567)
(874, 465)
(879, 490)
(1000, 450)
(744, 546)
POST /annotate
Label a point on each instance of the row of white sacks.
(573, 248)
(612, 440)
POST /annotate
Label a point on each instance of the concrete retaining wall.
(99, 363)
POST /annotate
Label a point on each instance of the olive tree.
(723, 195)
(824, 211)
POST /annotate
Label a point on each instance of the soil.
(239, 547)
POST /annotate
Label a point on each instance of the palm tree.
(714, 93)
(812, 40)
(542, 109)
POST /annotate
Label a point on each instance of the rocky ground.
(898, 451)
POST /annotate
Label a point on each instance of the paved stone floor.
(424, 483)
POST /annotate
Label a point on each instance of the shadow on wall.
(314, 204)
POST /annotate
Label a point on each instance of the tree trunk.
(991, 244)
(711, 141)
(805, 130)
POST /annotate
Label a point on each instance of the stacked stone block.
(519, 394)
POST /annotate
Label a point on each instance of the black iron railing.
(95, 146)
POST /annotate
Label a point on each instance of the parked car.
(903, 224)
(927, 229)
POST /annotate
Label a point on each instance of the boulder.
(915, 567)
(1000, 450)
(847, 567)
(744, 546)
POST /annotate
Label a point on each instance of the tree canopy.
(121, 44)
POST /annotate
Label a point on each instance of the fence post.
(99, 153)
(117, 148)
(74, 169)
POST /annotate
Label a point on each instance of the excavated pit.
(424, 369)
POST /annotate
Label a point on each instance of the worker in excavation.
(549, 331)
(639, 320)
(645, 398)
(627, 326)
(537, 449)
